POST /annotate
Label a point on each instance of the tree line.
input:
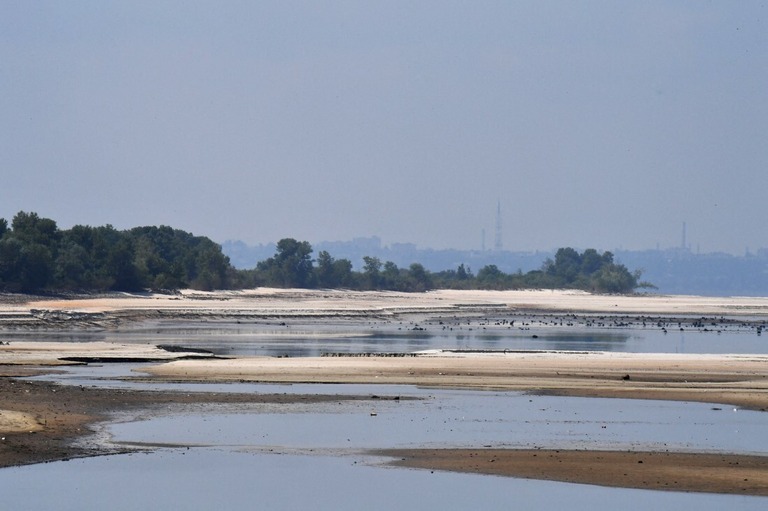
(35, 255)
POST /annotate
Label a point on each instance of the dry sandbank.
(741, 380)
(277, 300)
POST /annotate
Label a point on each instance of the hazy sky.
(595, 124)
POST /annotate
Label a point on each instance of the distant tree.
(490, 277)
(419, 278)
(342, 273)
(591, 261)
(567, 264)
(614, 278)
(10, 263)
(27, 257)
(36, 255)
(390, 277)
(291, 265)
(211, 267)
(72, 267)
(372, 272)
(120, 267)
(325, 274)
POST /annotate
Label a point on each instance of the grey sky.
(595, 124)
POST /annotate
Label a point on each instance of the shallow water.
(320, 466)
(309, 456)
(229, 479)
(465, 419)
(235, 339)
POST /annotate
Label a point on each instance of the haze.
(592, 124)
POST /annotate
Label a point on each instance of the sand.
(320, 302)
(692, 472)
(42, 421)
(738, 380)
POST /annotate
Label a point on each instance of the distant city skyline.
(483, 246)
(591, 124)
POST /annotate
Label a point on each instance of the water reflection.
(236, 339)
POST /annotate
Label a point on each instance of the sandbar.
(740, 380)
(689, 472)
(39, 421)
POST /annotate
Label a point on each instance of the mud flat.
(691, 472)
(41, 421)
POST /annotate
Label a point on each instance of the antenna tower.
(684, 246)
(497, 244)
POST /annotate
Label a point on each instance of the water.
(311, 456)
(236, 339)
(204, 479)
(455, 418)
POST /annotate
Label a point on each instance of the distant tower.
(482, 247)
(497, 245)
(684, 245)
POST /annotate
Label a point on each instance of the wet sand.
(712, 473)
(39, 421)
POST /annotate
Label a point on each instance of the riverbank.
(43, 422)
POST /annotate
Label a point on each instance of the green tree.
(291, 265)
(614, 278)
(372, 272)
(419, 277)
(342, 273)
(72, 267)
(390, 276)
(490, 277)
(10, 263)
(120, 267)
(30, 228)
(567, 264)
(325, 273)
(591, 261)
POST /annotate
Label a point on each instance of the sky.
(602, 124)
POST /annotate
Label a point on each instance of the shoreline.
(44, 421)
(268, 305)
(667, 471)
(58, 420)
